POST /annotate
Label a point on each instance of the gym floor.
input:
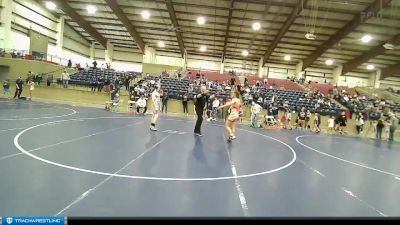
(77, 161)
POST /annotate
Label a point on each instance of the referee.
(200, 103)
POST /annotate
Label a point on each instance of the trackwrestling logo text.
(33, 220)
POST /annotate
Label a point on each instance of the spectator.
(301, 118)
(93, 83)
(394, 122)
(331, 125)
(107, 84)
(69, 63)
(19, 85)
(126, 82)
(141, 105)
(214, 112)
(29, 76)
(100, 84)
(255, 111)
(317, 122)
(31, 86)
(342, 120)
(185, 103)
(179, 75)
(94, 64)
(65, 78)
(359, 123)
(308, 118)
(116, 99)
(6, 88)
(39, 79)
(165, 99)
(49, 80)
(379, 128)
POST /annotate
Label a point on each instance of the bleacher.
(362, 104)
(83, 76)
(176, 88)
(297, 100)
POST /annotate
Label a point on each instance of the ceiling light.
(287, 58)
(329, 62)
(91, 9)
(366, 38)
(161, 44)
(145, 14)
(310, 36)
(370, 67)
(201, 20)
(203, 48)
(51, 5)
(245, 53)
(256, 26)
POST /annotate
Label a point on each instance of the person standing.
(65, 78)
(19, 85)
(165, 99)
(394, 122)
(342, 120)
(307, 121)
(69, 63)
(31, 86)
(185, 104)
(359, 123)
(155, 97)
(235, 106)
(255, 111)
(379, 129)
(6, 88)
(93, 83)
(100, 84)
(301, 118)
(331, 125)
(200, 103)
(317, 122)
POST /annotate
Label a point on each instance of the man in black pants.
(200, 103)
(18, 87)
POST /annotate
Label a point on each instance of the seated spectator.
(116, 100)
(141, 104)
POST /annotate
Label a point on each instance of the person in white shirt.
(65, 78)
(255, 111)
(155, 97)
(31, 85)
(141, 104)
(331, 124)
(215, 105)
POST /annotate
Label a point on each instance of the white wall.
(393, 82)
(168, 60)
(73, 41)
(127, 56)
(125, 66)
(202, 65)
(20, 41)
(354, 79)
(31, 15)
(241, 66)
(99, 53)
(279, 71)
